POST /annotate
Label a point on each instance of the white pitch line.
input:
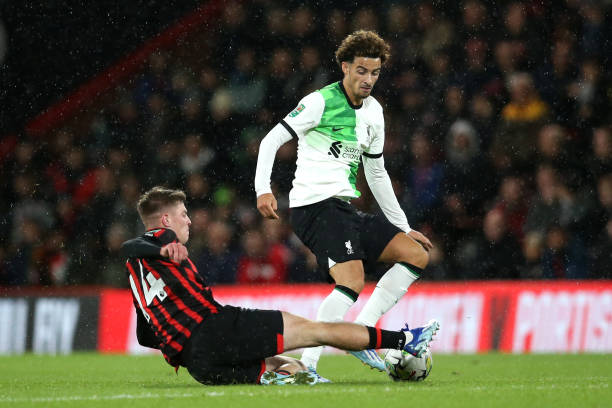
(279, 391)
(98, 397)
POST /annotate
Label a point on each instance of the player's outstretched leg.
(421, 337)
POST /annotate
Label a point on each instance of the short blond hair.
(157, 198)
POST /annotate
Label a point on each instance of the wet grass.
(491, 380)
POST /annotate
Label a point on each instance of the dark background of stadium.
(54, 49)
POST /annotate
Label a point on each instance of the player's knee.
(355, 284)
(423, 258)
(350, 275)
(418, 257)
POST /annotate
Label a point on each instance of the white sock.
(389, 289)
(332, 309)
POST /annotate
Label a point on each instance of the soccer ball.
(403, 366)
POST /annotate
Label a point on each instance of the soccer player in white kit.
(337, 127)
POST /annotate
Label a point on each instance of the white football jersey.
(332, 135)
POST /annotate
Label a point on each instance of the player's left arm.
(380, 184)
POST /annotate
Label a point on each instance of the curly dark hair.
(363, 44)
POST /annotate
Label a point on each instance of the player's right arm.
(303, 118)
(142, 248)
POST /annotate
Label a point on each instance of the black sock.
(386, 339)
(348, 292)
(414, 269)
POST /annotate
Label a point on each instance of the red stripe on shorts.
(263, 370)
(280, 347)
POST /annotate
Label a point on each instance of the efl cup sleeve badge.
(297, 110)
(349, 247)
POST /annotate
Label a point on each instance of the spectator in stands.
(124, 209)
(219, 262)
(551, 146)
(603, 208)
(91, 226)
(246, 86)
(198, 188)
(517, 29)
(261, 263)
(437, 32)
(302, 27)
(191, 120)
(28, 207)
(200, 222)
(424, 178)
(474, 22)
(492, 254)
(466, 174)
(600, 161)
(482, 116)
(158, 118)
(507, 62)
(155, 78)
(195, 156)
(512, 204)
(521, 118)
(532, 251)
(125, 125)
(19, 266)
(310, 74)
(594, 34)
(476, 75)
(554, 79)
(590, 92)
(454, 109)
(545, 208)
(564, 256)
(112, 265)
(167, 169)
(551, 124)
(280, 86)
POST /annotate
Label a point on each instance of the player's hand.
(176, 251)
(267, 206)
(421, 239)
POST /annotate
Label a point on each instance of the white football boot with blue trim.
(320, 379)
(370, 357)
(421, 337)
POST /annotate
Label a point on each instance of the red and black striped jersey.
(172, 298)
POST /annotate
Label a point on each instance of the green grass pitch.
(489, 380)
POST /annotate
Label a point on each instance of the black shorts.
(230, 347)
(334, 229)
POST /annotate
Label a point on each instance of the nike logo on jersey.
(334, 149)
(337, 128)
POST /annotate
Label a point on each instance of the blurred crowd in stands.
(498, 142)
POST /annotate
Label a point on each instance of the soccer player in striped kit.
(337, 127)
(221, 344)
